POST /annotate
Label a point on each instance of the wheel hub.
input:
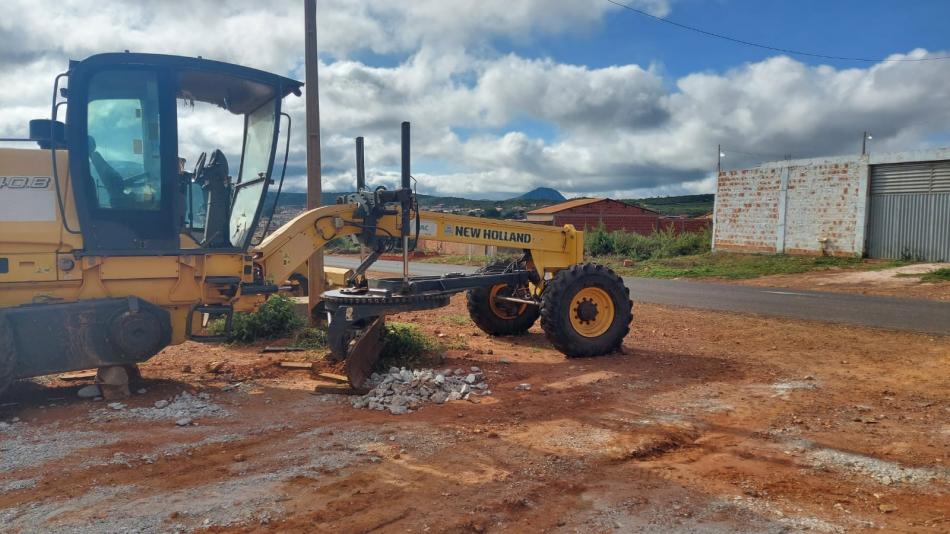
(586, 310)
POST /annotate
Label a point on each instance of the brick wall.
(746, 215)
(798, 207)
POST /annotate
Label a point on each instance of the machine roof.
(237, 88)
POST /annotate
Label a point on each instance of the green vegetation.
(733, 265)
(311, 338)
(689, 205)
(275, 318)
(658, 245)
(940, 275)
(458, 259)
(457, 319)
(344, 244)
(405, 345)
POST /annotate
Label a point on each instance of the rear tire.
(499, 319)
(7, 355)
(586, 310)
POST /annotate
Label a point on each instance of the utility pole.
(718, 159)
(864, 143)
(315, 283)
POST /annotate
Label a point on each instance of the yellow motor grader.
(110, 250)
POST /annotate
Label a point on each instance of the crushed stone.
(401, 391)
(881, 471)
(14, 485)
(36, 446)
(182, 406)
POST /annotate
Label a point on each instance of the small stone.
(142, 391)
(465, 390)
(458, 372)
(392, 438)
(887, 508)
(4, 425)
(475, 369)
(523, 387)
(471, 379)
(161, 404)
(439, 379)
(184, 421)
(439, 397)
(454, 396)
(398, 410)
(489, 351)
(239, 457)
(89, 392)
(116, 406)
(186, 368)
(15, 420)
(204, 396)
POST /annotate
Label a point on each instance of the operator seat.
(215, 181)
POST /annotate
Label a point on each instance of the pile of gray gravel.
(401, 391)
(183, 408)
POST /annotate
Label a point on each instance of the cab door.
(123, 143)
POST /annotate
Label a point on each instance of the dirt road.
(709, 422)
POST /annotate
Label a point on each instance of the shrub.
(665, 243)
(405, 345)
(275, 318)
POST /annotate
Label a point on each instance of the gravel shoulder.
(894, 282)
(707, 422)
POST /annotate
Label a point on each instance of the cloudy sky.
(508, 95)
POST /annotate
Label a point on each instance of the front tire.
(499, 318)
(586, 310)
(7, 355)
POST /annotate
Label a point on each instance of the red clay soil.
(708, 422)
(883, 283)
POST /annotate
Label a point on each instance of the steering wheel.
(199, 167)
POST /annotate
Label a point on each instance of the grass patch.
(311, 338)
(940, 275)
(457, 259)
(733, 266)
(457, 319)
(406, 345)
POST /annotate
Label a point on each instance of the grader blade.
(364, 352)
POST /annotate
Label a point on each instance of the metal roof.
(566, 205)
(577, 202)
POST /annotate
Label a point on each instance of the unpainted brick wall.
(823, 211)
(746, 217)
(824, 202)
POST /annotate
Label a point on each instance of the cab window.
(124, 149)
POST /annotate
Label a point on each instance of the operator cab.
(134, 191)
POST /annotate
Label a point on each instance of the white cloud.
(477, 111)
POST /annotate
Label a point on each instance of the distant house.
(590, 213)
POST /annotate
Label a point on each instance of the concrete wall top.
(928, 154)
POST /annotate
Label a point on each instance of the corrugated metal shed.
(909, 213)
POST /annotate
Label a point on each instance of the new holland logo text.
(494, 235)
(24, 182)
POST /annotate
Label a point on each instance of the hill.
(689, 205)
(542, 193)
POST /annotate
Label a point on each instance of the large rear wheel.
(7, 358)
(586, 310)
(499, 317)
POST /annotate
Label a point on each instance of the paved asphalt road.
(882, 312)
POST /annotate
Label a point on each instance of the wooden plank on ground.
(297, 365)
(283, 349)
(333, 376)
(78, 375)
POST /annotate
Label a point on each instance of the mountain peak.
(542, 193)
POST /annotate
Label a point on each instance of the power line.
(768, 47)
